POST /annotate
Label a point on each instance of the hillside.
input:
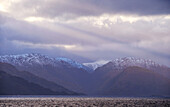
(136, 81)
(126, 76)
(9, 69)
(12, 85)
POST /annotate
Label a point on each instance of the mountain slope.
(103, 76)
(120, 64)
(120, 77)
(73, 63)
(12, 85)
(9, 69)
(66, 73)
(136, 81)
(39, 59)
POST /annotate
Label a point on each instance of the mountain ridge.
(44, 60)
(51, 69)
(76, 77)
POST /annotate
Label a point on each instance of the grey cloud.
(97, 7)
(7, 47)
(23, 31)
(95, 42)
(94, 34)
(74, 8)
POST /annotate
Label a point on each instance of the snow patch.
(30, 59)
(121, 63)
(96, 64)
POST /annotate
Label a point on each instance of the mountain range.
(127, 76)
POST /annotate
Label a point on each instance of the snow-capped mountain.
(39, 59)
(27, 59)
(72, 63)
(62, 71)
(122, 63)
(96, 64)
(31, 59)
(107, 78)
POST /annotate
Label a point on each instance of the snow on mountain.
(118, 64)
(29, 59)
(96, 64)
(72, 63)
(121, 63)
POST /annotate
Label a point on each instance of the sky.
(87, 30)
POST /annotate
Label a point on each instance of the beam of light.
(35, 19)
(47, 46)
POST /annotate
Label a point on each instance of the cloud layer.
(77, 8)
(88, 29)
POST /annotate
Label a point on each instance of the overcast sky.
(87, 30)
